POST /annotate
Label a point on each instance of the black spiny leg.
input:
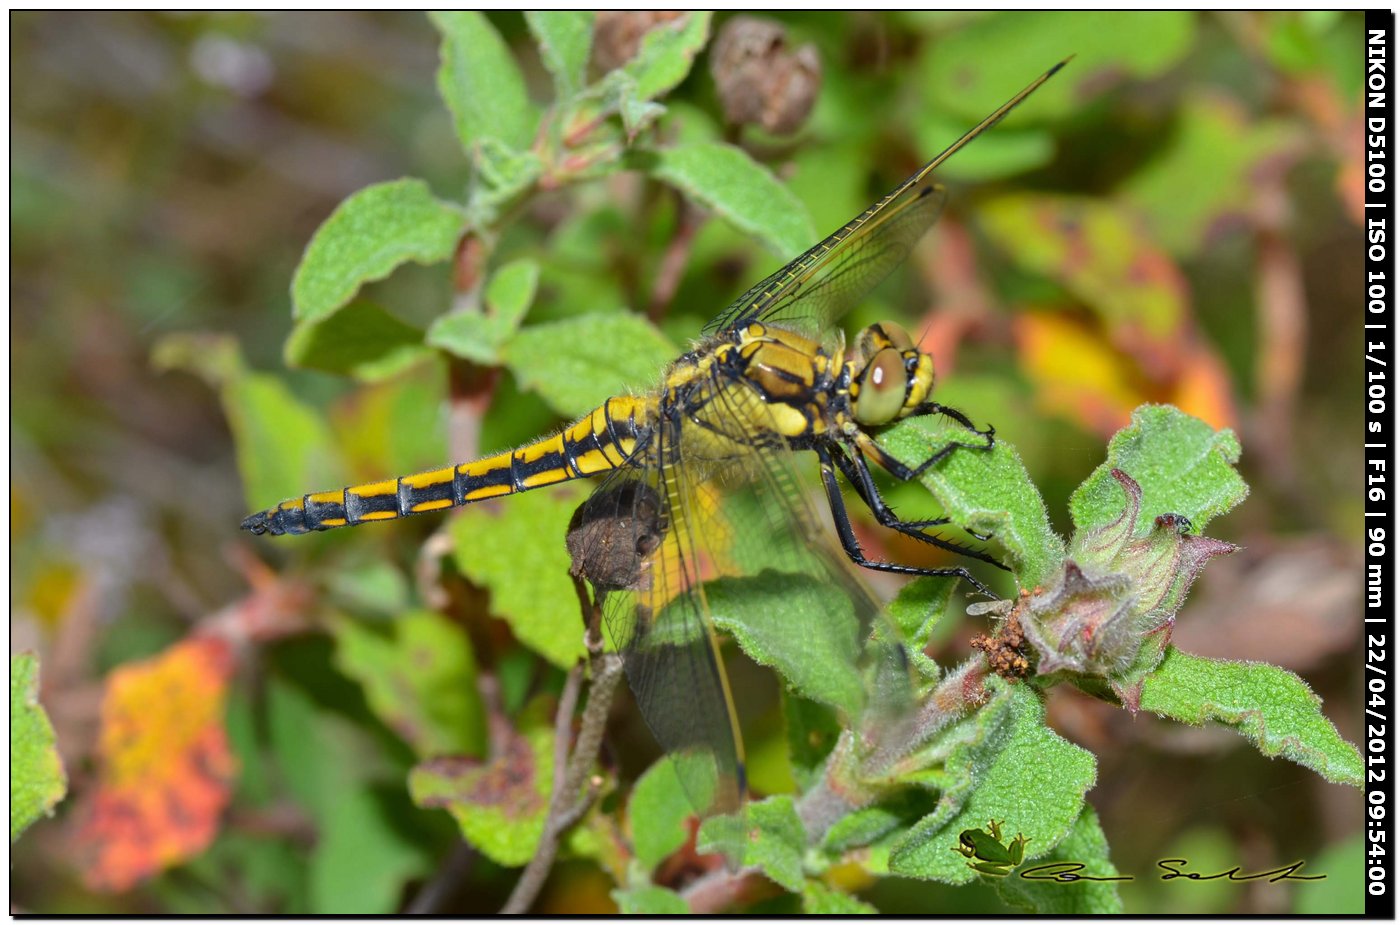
(857, 472)
(906, 473)
(852, 546)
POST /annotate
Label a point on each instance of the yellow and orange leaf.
(164, 764)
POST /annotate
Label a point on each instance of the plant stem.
(566, 805)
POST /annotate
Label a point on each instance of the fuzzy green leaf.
(805, 630)
(658, 810)
(820, 899)
(774, 840)
(666, 54)
(37, 780)
(918, 608)
(1008, 766)
(812, 731)
(983, 490)
(744, 193)
(481, 84)
(360, 340)
(368, 235)
(577, 363)
(500, 806)
(1183, 466)
(1085, 844)
(420, 678)
(649, 900)
(1271, 707)
(517, 551)
(478, 336)
(565, 38)
(502, 175)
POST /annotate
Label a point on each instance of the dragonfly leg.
(852, 546)
(857, 471)
(906, 473)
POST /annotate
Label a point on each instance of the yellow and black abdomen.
(602, 441)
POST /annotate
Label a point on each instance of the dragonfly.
(700, 491)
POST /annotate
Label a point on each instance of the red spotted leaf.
(501, 804)
(164, 765)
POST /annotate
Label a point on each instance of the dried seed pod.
(761, 81)
(613, 534)
(617, 34)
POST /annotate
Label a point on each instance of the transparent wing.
(710, 525)
(821, 285)
(646, 557)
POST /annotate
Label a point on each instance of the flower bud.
(1111, 612)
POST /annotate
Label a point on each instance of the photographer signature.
(1071, 871)
(990, 856)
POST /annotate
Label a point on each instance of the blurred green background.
(1175, 218)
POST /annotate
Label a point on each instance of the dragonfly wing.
(829, 635)
(815, 290)
(643, 555)
(710, 525)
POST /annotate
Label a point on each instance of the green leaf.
(368, 235)
(987, 491)
(500, 806)
(478, 336)
(511, 289)
(502, 175)
(363, 855)
(1343, 892)
(479, 81)
(565, 38)
(919, 607)
(1085, 844)
(773, 841)
(744, 193)
(517, 551)
(965, 71)
(820, 899)
(618, 92)
(649, 900)
(577, 363)
(1271, 707)
(812, 731)
(420, 678)
(1006, 764)
(360, 340)
(1205, 171)
(658, 810)
(396, 425)
(805, 630)
(1183, 466)
(37, 780)
(283, 447)
(666, 54)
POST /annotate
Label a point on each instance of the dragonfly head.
(893, 377)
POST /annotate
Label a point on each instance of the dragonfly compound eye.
(883, 385)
